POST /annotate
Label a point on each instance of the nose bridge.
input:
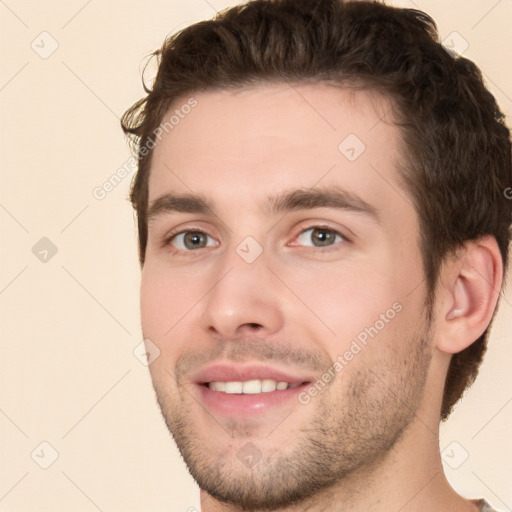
(244, 293)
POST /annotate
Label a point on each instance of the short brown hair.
(457, 147)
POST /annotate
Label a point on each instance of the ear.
(468, 293)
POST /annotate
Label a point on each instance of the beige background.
(68, 374)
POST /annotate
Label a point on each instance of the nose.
(244, 299)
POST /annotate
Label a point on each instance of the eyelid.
(170, 235)
(167, 239)
(322, 225)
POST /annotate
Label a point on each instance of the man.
(323, 231)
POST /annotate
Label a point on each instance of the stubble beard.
(351, 429)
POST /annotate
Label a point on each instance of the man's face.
(254, 291)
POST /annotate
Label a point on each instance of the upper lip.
(221, 372)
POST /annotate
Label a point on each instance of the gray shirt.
(484, 506)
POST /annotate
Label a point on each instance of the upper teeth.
(251, 386)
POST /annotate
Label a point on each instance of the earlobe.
(471, 289)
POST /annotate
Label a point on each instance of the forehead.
(235, 145)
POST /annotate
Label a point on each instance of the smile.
(251, 387)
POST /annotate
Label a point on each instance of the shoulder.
(484, 506)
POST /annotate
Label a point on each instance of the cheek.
(165, 299)
(368, 301)
(347, 299)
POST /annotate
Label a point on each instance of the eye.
(190, 240)
(318, 236)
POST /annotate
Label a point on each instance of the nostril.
(254, 325)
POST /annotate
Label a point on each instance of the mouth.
(251, 387)
(247, 391)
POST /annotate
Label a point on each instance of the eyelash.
(168, 240)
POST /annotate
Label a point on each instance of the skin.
(368, 440)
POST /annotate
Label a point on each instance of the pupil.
(323, 236)
(192, 240)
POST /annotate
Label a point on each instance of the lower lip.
(241, 405)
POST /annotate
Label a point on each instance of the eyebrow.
(299, 199)
(328, 197)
